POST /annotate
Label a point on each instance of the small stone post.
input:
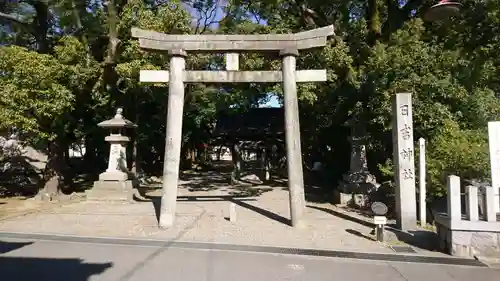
(491, 214)
(293, 147)
(402, 136)
(232, 212)
(422, 183)
(265, 163)
(115, 183)
(454, 207)
(173, 138)
(472, 203)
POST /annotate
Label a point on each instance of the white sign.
(380, 220)
(494, 144)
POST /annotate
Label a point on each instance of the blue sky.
(217, 14)
(273, 102)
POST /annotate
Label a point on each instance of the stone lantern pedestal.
(115, 184)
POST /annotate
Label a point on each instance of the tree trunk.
(134, 161)
(193, 155)
(54, 173)
(186, 157)
(236, 158)
(374, 20)
(219, 153)
(110, 77)
(41, 26)
(92, 162)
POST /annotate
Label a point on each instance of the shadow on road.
(6, 247)
(29, 268)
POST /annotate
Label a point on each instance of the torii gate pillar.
(173, 139)
(292, 131)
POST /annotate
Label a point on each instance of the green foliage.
(457, 151)
(34, 92)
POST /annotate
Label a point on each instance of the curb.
(490, 261)
(248, 248)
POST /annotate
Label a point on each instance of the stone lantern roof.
(117, 122)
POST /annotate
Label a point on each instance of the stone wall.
(468, 243)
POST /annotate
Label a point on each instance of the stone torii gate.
(288, 46)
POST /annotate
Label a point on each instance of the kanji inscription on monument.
(407, 153)
(402, 129)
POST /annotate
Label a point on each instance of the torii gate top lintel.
(153, 40)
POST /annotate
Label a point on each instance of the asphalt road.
(24, 259)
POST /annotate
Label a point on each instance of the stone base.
(111, 191)
(113, 176)
(468, 242)
(349, 199)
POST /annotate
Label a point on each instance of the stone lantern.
(115, 183)
(358, 182)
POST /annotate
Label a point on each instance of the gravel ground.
(202, 221)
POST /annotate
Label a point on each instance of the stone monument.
(115, 184)
(494, 147)
(358, 182)
(404, 165)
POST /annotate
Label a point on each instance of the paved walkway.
(22, 260)
(258, 222)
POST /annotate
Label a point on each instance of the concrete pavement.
(201, 218)
(31, 259)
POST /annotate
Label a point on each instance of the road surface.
(25, 259)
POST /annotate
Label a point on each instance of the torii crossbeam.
(288, 46)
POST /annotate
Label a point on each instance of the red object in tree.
(203, 146)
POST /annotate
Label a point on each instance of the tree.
(66, 65)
